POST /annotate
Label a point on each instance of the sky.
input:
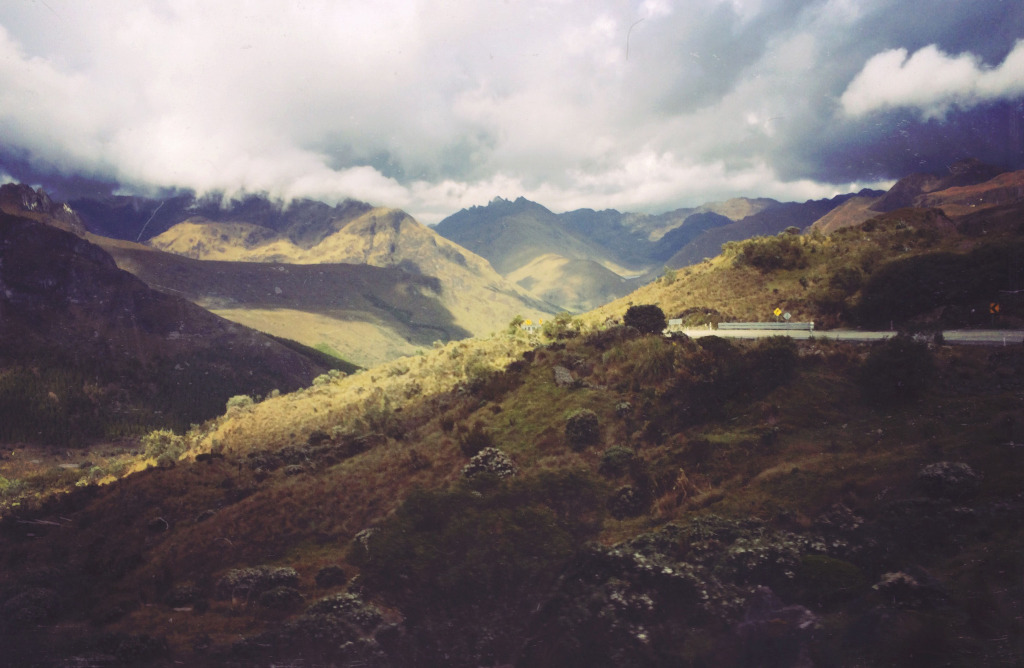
(432, 106)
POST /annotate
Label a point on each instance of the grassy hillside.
(824, 278)
(577, 285)
(477, 300)
(591, 497)
(366, 314)
(655, 471)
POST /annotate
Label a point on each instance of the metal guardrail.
(783, 326)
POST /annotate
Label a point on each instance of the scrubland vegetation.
(588, 496)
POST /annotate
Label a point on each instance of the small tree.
(648, 318)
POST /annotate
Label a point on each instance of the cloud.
(431, 106)
(932, 82)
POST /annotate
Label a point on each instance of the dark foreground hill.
(607, 500)
(89, 351)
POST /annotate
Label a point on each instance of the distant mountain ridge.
(631, 248)
(401, 288)
(968, 187)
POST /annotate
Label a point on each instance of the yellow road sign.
(777, 312)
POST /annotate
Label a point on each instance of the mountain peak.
(22, 200)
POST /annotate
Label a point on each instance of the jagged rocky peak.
(18, 198)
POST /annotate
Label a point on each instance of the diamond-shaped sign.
(777, 312)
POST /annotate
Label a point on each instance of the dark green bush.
(896, 371)
(251, 582)
(772, 362)
(615, 461)
(772, 253)
(628, 501)
(647, 318)
(281, 598)
(825, 581)
(475, 440)
(330, 576)
(582, 429)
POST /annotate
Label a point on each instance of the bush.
(647, 318)
(582, 429)
(627, 501)
(896, 371)
(29, 608)
(653, 358)
(826, 580)
(772, 253)
(490, 461)
(281, 598)
(615, 461)
(250, 582)
(330, 576)
(562, 326)
(239, 401)
(163, 445)
(956, 481)
(349, 607)
(475, 440)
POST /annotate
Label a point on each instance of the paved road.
(984, 337)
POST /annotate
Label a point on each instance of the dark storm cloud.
(432, 106)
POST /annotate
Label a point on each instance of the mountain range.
(585, 495)
(383, 285)
(580, 259)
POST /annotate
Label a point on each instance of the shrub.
(772, 362)
(281, 598)
(349, 607)
(163, 445)
(582, 429)
(29, 608)
(653, 358)
(647, 318)
(627, 501)
(949, 480)
(772, 253)
(475, 440)
(562, 326)
(330, 576)
(896, 371)
(490, 461)
(239, 401)
(826, 580)
(250, 582)
(615, 461)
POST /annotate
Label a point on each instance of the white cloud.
(932, 82)
(433, 105)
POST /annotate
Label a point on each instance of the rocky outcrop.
(20, 199)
